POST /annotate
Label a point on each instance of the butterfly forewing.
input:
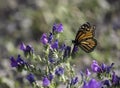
(85, 32)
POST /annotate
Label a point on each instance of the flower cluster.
(105, 74)
(54, 68)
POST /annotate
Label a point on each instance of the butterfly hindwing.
(88, 45)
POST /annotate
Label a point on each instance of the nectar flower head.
(59, 71)
(55, 45)
(115, 79)
(44, 39)
(88, 72)
(92, 84)
(95, 67)
(67, 51)
(63, 46)
(75, 49)
(46, 82)
(50, 38)
(17, 62)
(106, 83)
(27, 49)
(57, 28)
(30, 78)
(74, 81)
(13, 62)
(20, 61)
(110, 67)
(50, 76)
(51, 60)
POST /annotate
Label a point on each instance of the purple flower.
(108, 68)
(67, 51)
(55, 45)
(27, 49)
(59, 71)
(22, 46)
(30, 78)
(88, 72)
(13, 62)
(101, 68)
(107, 83)
(17, 62)
(74, 81)
(20, 61)
(57, 28)
(63, 46)
(44, 39)
(50, 76)
(115, 79)
(51, 60)
(46, 82)
(54, 28)
(50, 38)
(92, 84)
(95, 67)
(60, 28)
(75, 49)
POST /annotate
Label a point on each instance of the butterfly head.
(87, 27)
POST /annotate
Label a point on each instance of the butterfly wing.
(85, 31)
(88, 44)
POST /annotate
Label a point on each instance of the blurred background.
(26, 20)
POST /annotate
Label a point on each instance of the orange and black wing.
(85, 31)
(88, 44)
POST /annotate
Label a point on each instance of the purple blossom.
(26, 48)
(63, 46)
(101, 68)
(50, 76)
(75, 49)
(92, 84)
(30, 78)
(17, 62)
(22, 46)
(13, 62)
(107, 83)
(60, 28)
(67, 51)
(44, 39)
(51, 60)
(46, 82)
(20, 61)
(88, 73)
(95, 67)
(55, 45)
(50, 38)
(115, 79)
(74, 81)
(57, 28)
(54, 28)
(108, 69)
(59, 71)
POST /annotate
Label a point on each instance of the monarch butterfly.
(85, 38)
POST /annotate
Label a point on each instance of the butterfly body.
(85, 38)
